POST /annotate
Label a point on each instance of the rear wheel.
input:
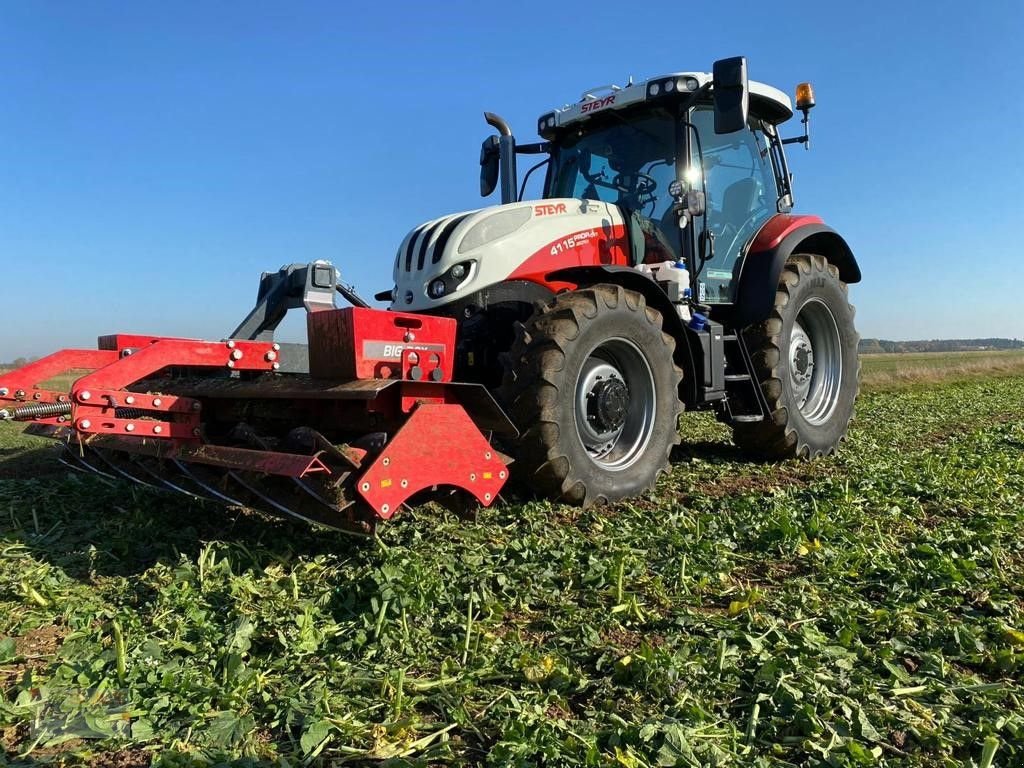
(593, 386)
(805, 358)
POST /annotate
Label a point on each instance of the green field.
(862, 610)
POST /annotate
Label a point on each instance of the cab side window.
(742, 195)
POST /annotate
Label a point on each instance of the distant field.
(885, 371)
(59, 383)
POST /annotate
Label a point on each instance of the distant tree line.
(874, 346)
(18, 362)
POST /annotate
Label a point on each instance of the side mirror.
(489, 156)
(501, 151)
(731, 94)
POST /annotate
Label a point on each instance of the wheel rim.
(815, 361)
(615, 404)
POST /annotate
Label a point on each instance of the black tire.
(562, 369)
(810, 382)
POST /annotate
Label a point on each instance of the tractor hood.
(466, 252)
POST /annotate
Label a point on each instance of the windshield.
(630, 164)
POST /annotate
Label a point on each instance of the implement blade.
(90, 461)
(71, 459)
(196, 474)
(124, 468)
(226, 457)
(279, 496)
(314, 485)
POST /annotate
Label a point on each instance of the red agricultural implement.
(218, 420)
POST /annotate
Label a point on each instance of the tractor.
(556, 339)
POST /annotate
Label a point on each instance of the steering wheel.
(642, 190)
(644, 186)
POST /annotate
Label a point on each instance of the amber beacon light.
(804, 102)
(804, 97)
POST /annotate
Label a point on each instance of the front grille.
(411, 244)
(428, 242)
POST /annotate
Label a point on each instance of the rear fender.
(781, 237)
(687, 357)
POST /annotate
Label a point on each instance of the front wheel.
(594, 389)
(805, 359)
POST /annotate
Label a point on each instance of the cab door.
(741, 196)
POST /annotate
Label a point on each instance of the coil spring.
(35, 411)
(131, 413)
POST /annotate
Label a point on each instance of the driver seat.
(737, 201)
(668, 229)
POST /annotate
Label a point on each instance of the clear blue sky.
(156, 157)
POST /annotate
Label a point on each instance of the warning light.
(804, 96)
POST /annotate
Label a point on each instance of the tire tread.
(531, 387)
(776, 437)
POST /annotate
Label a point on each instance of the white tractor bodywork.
(519, 241)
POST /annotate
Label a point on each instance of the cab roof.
(771, 104)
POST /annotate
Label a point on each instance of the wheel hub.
(607, 404)
(803, 361)
(615, 404)
(815, 361)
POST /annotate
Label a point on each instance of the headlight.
(495, 226)
(545, 123)
(451, 280)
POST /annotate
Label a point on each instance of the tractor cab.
(693, 161)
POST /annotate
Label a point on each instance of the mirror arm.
(806, 138)
(694, 97)
(526, 178)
